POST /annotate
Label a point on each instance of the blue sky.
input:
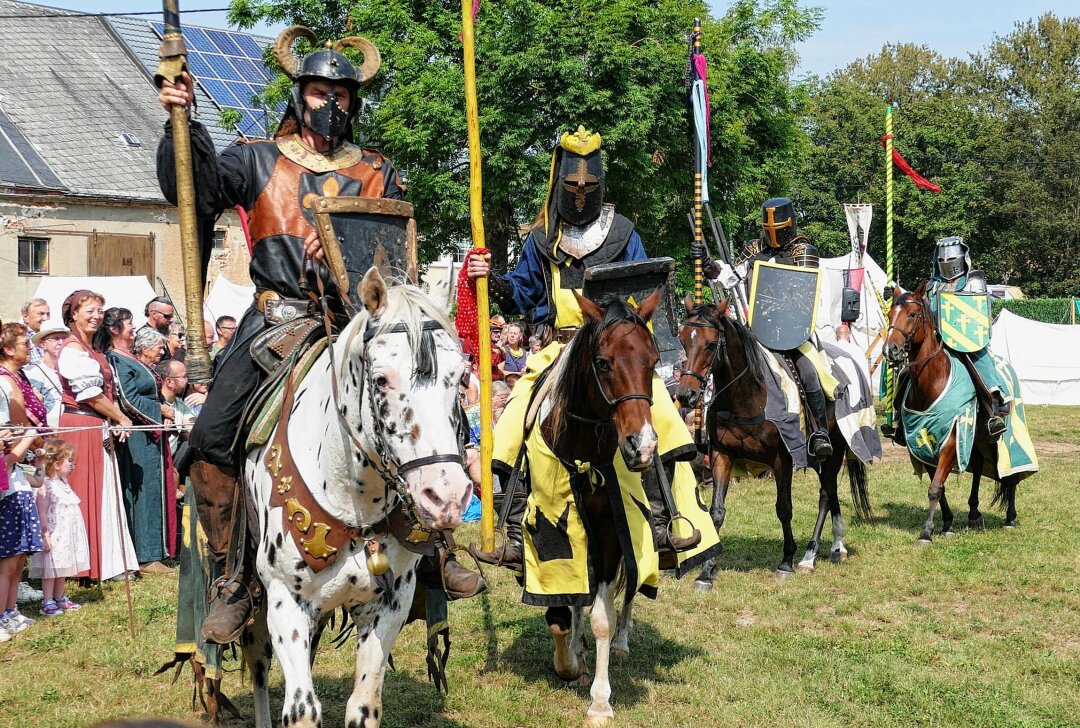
(850, 29)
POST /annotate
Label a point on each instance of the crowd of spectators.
(92, 412)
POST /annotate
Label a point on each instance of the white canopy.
(871, 318)
(227, 299)
(130, 292)
(1046, 357)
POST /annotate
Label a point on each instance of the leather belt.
(564, 334)
(69, 410)
(278, 309)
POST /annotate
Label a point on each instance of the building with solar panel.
(79, 130)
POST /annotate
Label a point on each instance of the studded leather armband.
(502, 293)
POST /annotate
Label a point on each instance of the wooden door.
(113, 254)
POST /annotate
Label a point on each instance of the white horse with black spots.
(391, 440)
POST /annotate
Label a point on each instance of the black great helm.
(333, 119)
(579, 182)
(778, 222)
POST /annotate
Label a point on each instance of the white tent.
(871, 319)
(130, 292)
(227, 299)
(1046, 357)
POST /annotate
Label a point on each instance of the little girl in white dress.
(67, 551)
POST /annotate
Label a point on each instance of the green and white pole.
(890, 271)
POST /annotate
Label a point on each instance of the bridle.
(710, 322)
(909, 337)
(613, 404)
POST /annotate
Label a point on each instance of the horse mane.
(572, 375)
(755, 361)
(408, 306)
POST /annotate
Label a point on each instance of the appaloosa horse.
(366, 451)
(717, 345)
(596, 401)
(913, 344)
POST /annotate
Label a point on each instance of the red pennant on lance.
(920, 181)
(465, 320)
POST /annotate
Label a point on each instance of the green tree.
(615, 66)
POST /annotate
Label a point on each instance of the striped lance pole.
(699, 234)
(889, 260)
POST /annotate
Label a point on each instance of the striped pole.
(483, 336)
(890, 271)
(699, 234)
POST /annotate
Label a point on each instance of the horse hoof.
(702, 586)
(621, 651)
(783, 574)
(838, 556)
(599, 718)
(806, 567)
(950, 533)
(924, 542)
(977, 523)
(1010, 525)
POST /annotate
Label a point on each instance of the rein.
(909, 338)
(711, 323)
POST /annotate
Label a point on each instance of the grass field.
(980, 629)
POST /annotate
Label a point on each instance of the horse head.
(910, 324)
(617, 346)
(701, 335)
(406, 352)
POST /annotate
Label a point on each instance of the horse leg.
(946, 515)
(974, 516)
(721, 469)
(945, 463)
(807, 563)
(291, 629)
(621, 643)
(374, 641)
(567, 664)
(1008, 485)
(259, 654)
(602, 620)
(782, 474)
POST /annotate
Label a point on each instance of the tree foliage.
(545, 66)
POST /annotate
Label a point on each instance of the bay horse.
(371, 433)
(719, 347)
(596, 402)
(914, 344)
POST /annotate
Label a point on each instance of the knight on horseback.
(274, 181)
(781, 242)
(953, 273)
(575, 232)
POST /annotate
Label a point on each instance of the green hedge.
(1047, 310)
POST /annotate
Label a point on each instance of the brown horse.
(914, 345)
(716, 345)
(595, 401)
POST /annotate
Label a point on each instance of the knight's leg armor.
(818, 443)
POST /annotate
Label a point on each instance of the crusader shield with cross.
(964, 320)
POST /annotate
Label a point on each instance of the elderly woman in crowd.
(149, 502)
(42, 374)
(86, 380)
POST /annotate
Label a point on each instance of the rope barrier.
(22, 429)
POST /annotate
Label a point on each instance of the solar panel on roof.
(229, 67)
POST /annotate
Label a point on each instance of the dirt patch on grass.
(1056, 448)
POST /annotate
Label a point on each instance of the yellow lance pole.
(483, 324)
(171, 68)
(890, 385)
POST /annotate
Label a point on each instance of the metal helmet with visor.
(951, 257)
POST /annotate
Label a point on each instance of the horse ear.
(921, 290)
(648, 306)
(590, 309)
(721, 308)
(373, 291)
(688, 302)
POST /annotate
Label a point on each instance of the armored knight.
(781, 242)
(953, 273)
(575, 231)
(274, 181)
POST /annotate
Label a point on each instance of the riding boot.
(216, 490)
(999, 410)
(458, 581)
(818, 444)
(667, 544)
(509, 553)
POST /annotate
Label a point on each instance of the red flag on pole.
(921, 182)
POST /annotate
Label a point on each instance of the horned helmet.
(334, 118)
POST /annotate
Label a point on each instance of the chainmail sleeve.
(502, 293)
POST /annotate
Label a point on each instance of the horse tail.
(1005, 492)
(619, 587)
(860, 489)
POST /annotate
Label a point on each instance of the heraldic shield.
(635, 281)
(964, 320)
(360, 232)
(783, 304)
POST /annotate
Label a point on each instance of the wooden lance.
(483, 323)
(173, 63)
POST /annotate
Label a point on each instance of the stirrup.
(451, 547)
(680, 544)
(995, 428)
